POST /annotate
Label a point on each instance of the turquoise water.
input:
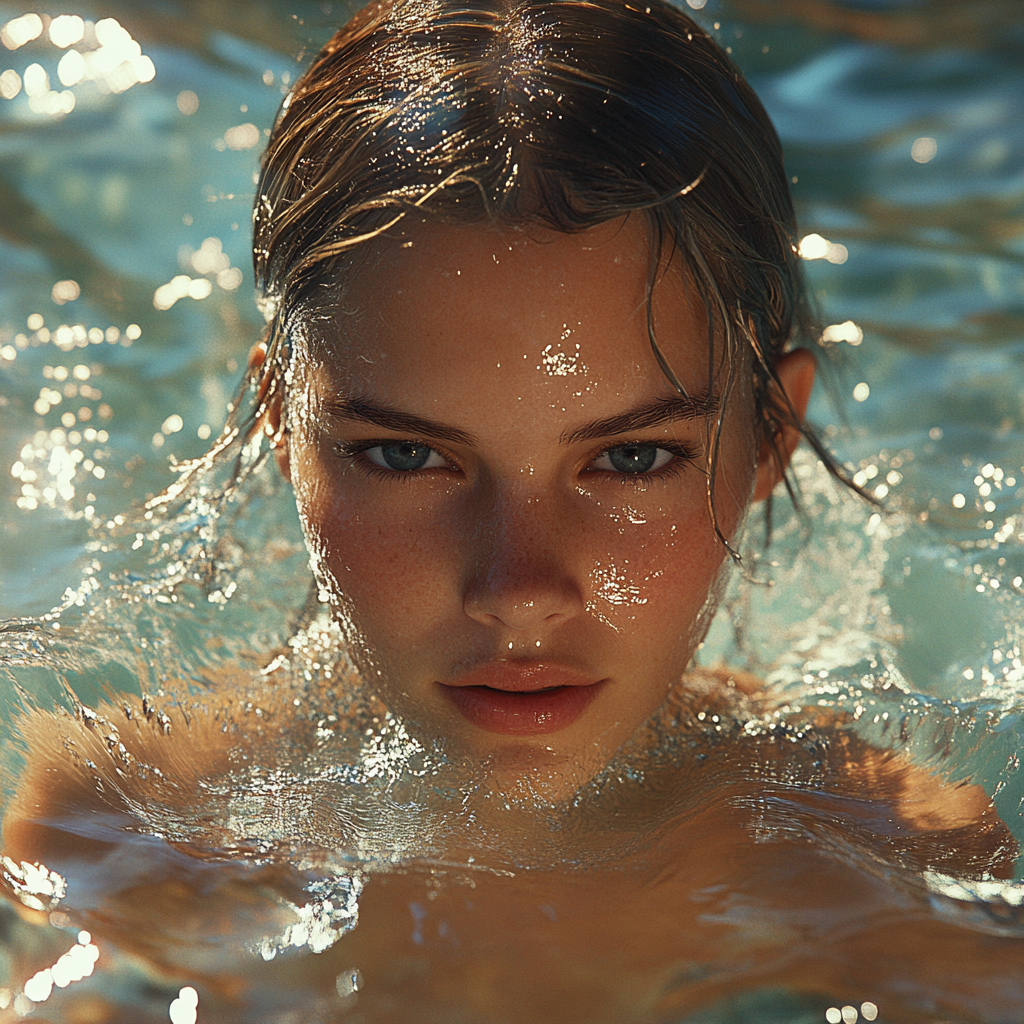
(901, 122)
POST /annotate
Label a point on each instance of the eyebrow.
(652, 414)
(379, 415)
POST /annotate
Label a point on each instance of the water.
(901, 127)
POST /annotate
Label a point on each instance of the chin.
(524, 773)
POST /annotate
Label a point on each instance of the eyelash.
(356, 451)
(681, 454)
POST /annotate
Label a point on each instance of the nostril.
(548, 599)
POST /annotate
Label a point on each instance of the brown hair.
(566, 113)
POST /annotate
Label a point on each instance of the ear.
(795, 371)
(270, 421)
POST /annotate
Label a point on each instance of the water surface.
(126, 314)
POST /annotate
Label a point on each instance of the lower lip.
(521, 714)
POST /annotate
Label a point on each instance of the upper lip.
(523, 676)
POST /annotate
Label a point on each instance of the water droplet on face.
(348, 983)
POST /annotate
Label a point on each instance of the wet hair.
(562, 113)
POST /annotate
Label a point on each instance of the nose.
(521, 576)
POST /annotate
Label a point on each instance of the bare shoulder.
(102, 763)
(924, 798)
(924, 817)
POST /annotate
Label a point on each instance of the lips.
(522, 698)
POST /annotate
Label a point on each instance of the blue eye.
(634, 459)
(405, 456)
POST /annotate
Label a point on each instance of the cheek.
(662, 558)
(656, 576)
(390, 571)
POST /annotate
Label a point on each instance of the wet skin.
(515, 369)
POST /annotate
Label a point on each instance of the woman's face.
(502, 492)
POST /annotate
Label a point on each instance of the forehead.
(438, 308)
